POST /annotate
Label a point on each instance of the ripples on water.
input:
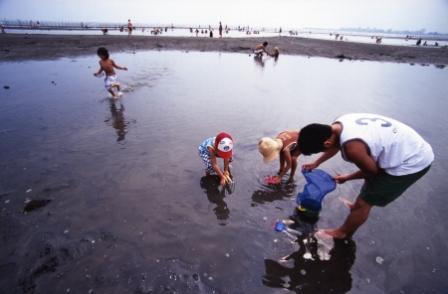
(126, 206)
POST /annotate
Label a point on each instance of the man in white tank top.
(390, 156)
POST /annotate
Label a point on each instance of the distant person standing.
(2, 28)
(220, 30)
(211, 34)
(130, 27)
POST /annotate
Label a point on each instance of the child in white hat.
(285, 146)
(214, 147)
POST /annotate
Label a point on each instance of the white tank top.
(396, 147)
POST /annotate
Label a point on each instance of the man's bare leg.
(346, 202)
(358, 215)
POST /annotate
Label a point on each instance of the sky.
(384, 14)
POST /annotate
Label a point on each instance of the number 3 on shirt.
(384, 123)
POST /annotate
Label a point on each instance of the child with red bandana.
(212, 148)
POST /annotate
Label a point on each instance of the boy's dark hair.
(102, 52)
(265, 43)
(312, 137)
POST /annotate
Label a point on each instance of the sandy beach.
(16, 47)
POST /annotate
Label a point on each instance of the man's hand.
(309, 166)
(340, 179)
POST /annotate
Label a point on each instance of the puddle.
(125, 174)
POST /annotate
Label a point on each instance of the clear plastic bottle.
(281, 226)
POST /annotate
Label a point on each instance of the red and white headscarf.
(224, 145)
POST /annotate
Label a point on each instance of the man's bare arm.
(357, 152)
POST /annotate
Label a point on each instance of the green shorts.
(384, 188)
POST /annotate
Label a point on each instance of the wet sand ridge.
(15, 47)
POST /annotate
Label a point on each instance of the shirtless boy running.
(107, 65)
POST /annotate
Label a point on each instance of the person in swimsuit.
(283, 146)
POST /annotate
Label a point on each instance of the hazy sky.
(394, 14)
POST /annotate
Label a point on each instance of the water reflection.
(259, 61)
(210, 185)
(271, 193)
(163, 86)
(117, 119)
(313, 275)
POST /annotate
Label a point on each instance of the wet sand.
(23, 47)
(109, 196)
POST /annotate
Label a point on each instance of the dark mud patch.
(50, 261)
(341, 57)
(33, 204)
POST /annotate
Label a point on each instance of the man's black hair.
(102, 52)
(265, 43)
(312, 137)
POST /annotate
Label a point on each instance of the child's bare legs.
(111, 92)
(117, 89)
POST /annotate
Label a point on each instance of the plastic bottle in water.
(280, 226)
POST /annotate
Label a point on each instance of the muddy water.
(102, 196)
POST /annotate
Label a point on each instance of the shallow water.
(130, 210)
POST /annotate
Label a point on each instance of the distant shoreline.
(19, 47)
